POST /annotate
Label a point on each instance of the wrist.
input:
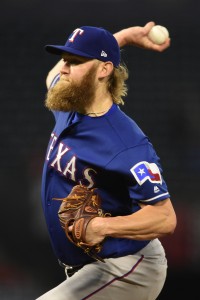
(120, 36)
(99, 226)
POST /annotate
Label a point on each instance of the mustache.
(65, 80)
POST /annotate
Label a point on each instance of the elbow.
(173, 225)
(170, 224)
(173, 222)
(170, 220)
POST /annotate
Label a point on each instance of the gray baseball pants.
(134, 277)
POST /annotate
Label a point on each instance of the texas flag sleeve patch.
(143, 171)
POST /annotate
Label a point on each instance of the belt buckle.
(69, 270)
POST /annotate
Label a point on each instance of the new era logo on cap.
(88, 41)
(103, 53)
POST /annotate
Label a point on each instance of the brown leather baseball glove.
(78, 209)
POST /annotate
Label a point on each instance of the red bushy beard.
(72, 96)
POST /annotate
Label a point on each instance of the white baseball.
(158, 34)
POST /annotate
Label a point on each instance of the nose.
(65, 68)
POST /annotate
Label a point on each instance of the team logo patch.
(143, 171)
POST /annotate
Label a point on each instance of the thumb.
(148, 27)
(70, 228)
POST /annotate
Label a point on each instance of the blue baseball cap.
(91, 42)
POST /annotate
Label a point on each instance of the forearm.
(129, 36)
(121, 37)
(148, 223)
(143, 225)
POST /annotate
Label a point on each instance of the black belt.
(70, 270)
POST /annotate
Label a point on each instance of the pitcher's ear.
(105, 69)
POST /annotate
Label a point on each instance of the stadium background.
(164, 98)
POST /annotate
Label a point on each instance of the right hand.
(138, 36)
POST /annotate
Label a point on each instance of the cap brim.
(58, 50)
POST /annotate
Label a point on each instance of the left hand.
(94, 235)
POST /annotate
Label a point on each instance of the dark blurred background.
(164, 98)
